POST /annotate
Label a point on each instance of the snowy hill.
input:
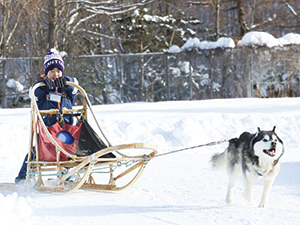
(179, 188)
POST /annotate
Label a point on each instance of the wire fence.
(152, 77)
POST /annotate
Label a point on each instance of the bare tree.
(241, 17)
(88, 23)
(52, 20)
(10, 20)
(28, 27)
(11, 17)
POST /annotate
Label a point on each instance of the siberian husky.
(256, 155)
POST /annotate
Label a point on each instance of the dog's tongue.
(272, 152)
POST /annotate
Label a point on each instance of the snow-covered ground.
(179, 188)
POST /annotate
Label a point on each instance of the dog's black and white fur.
(256, 155)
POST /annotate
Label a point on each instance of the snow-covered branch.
(198, 3)
(268, 20)
(99, 11)
(81, 21)
(83, 2)
(291, 9)
(101, 5)
(71, 15)
(96, 8)
(101, 35)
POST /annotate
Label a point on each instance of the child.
(55, 95)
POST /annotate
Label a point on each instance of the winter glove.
(49, 83)
(61, 82)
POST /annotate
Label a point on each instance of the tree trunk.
(217, 19)
(52, 16)
(2, 41)
(2, 54)
(241, 17)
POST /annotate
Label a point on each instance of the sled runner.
(65, 157)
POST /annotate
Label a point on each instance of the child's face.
(54, 74)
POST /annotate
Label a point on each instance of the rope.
(183, 149)
(147, 158)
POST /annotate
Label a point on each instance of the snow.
(179, 188)
(14, 84)
(290, 39)
(262, 38)
(195, 43)
(258, 38)
(174, 49)
(253, 38)
(63, 54)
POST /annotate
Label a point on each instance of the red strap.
(47, 150)
(58, 103)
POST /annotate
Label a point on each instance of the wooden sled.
(112, 168)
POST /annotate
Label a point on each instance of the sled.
(66, 157)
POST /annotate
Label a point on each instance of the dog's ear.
(258, 129)
(274, 128)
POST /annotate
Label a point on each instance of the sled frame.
(78, 172)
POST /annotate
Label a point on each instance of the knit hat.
(53, 60)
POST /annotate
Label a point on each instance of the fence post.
(3, 86)
(211, 53)
(121, 79)
(168, 78)
(250, 77)
(297, 95)
(190, 80)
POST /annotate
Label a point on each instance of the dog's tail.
(219, 160)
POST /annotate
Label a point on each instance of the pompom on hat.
(53, 60)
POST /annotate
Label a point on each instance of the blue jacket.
(43, 102)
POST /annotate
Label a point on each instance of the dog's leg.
(233, 174)
(248, 182)
(266, 192)
(268, 182)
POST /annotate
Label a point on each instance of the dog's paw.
(263, 205)
(228, 200)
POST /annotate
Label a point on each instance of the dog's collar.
(259, 174)
(256, 169)
(274, 163)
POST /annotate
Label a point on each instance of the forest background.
(118, 50)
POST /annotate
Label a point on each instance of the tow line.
(180, 150)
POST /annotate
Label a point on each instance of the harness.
(274, 163)
(257, 171)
